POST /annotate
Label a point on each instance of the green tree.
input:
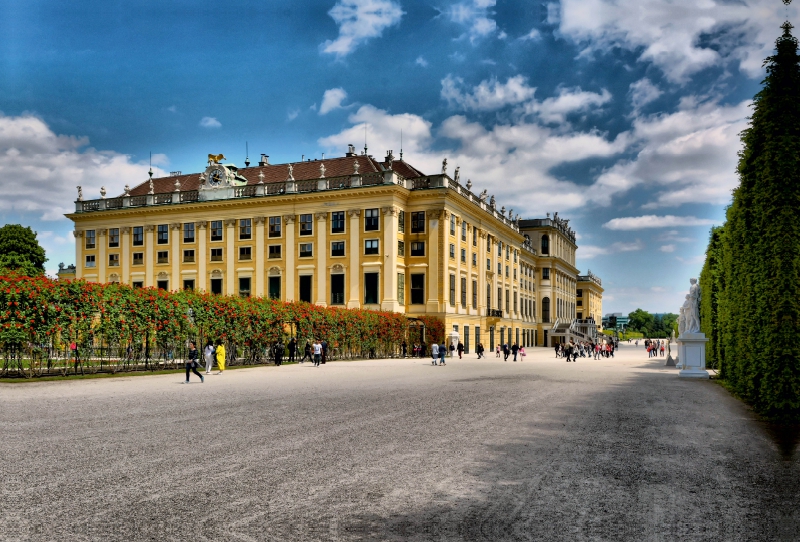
(641, 320)
(20, 252)
(753, 266)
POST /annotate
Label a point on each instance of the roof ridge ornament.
(80, 193)
(444, 166)
(291, 174)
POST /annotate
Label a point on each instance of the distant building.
(615, 320)
(350, 231)
(66, 273)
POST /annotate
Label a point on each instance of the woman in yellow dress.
(220, 357)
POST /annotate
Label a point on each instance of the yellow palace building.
(350, 231)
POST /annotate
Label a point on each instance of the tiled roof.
(278, 173)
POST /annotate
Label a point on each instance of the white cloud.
(210, 122)
(667, 248)
(39, 170)
(332, 99)
(533, 35)
(673, 236)
(587, 252)
(476, 15)
(512, 161)
(681, 37)
(488, 95)
(643, 92)
(292, 114)
(555, 109)
(653, 221)
(692, 260)
(421, 62)
(172, 109)
(689, 155)
(360, 20)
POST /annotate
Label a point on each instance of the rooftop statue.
(457, 174)
(444, 166)
(215, 158)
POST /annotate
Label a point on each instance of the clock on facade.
(215, 177)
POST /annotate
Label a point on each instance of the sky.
(621, 115)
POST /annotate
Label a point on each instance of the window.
(274, 226)
(188, 284)
(90, 262)
(163, 234)
(499, 298)
(463, 255)
(113, 260)
(474, 260)
(508, 252)
(188, 256)
(488, 297)
(306, 225)
(580, 302)
(216, 286)
(337, 248)
(515, 256)
(452, 251)
(244, 286)
(546, 310)
(463, 231)
(401, 221)
(418, 289)
(306, 250)
(370, 288)
(337, 289)
(371, 220)
(371, 246)
(245, 229)
(274, 287)
(138, 258)
(474, 236)
(545, 244)
(401, 288)
(499, 268)
(90, 239)
(464, 292)
(515, 273)
(452, 224)
(216, 230)
(137, 284)
(418, 248)
(245, 253)
(188, 233)
(515, 301)
(401, 248)
(305, 288)
(546, 273)
(216, 254)
(500, 250)
(138, 236)
(418, 222)
(163, 256)
(507, 302)
(488, 244)
(506, 271)
(337, 222)
(452, 290)
(274, 251)
(113, 237)
(579, 292)
(488, 264)
(162, 285)
(474, 294)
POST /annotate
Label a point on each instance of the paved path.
(616, 449)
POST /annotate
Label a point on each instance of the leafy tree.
(639, 320)
(753, 266)
(20, 252)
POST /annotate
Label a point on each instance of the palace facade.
(350, 231)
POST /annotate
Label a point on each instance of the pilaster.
(230, 255)
(126, 255)
(202, 255)
(291, 247)
(435, 264)
(390, 225)
(79, 262)
(354, 291)
(102, 243)
(260, 268)
(175, 281)
(322, 253)
(149, 255)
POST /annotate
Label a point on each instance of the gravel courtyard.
(614, 449)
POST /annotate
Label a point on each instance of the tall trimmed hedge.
(751, 280)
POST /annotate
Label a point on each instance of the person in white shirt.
(317, 352)
(209, 355)
(434, 353)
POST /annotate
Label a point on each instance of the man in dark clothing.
(506, 352)
(514, 350)
(460, 349)
(324, 350)
(278, 351)
(404, 349)
(292, 347)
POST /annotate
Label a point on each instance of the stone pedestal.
(692, 355)
(670, 360)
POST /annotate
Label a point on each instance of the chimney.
(351, 150)
(264, 160)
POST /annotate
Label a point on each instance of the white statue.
(261, 178)
(80, 193)
(457, 174)
(152, 188)
(469, 184)
(291, 174)
(681, 321)
(127, 190)
(692, 308)
(103, 192)
(483, 195)
(491, 201)
(355, 167)
(444, 166)
(321, 170)
(511, 213)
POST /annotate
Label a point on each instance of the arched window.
(545, 244)
(546, 310)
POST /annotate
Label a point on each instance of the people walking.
(220, 357)
(324, 345)
(191, 363)
(442, 352)
(208, 354)
(514, 350)
(460, 349)
(278, 351)
(434, 353)
(506, 352)
(404, 349)
(307, 353)
(497, 351)
(479, 350)
(521, 352)
(292, 348)
(317, 348)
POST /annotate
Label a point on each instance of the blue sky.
(622, 115)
